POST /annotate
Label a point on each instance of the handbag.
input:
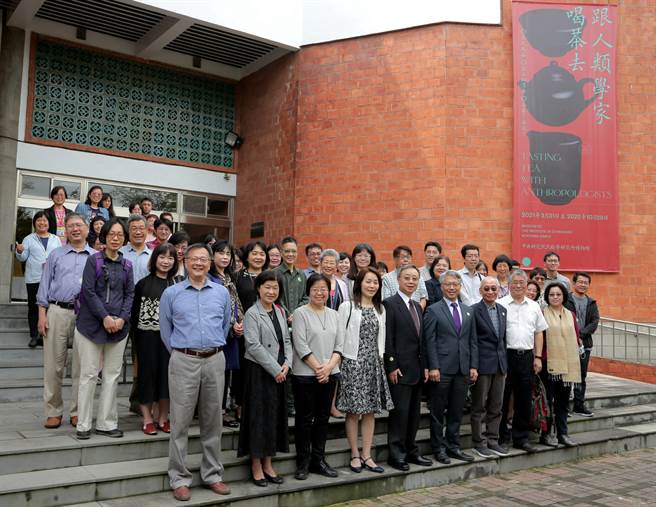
(540, 412)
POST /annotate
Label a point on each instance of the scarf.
(562, 352)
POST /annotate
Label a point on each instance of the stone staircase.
(40, 467)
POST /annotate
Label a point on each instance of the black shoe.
(301, 474)
(356, 469)
(526, 446)
(33, 342)
(83, 435)
(399, 464)
(260, 482)
(39, 341)
(497, 449)
(323, 468)
(458, 454)
(441, 457)
(583, 412)
(273, 479)
(115, 433)
(375, 469)
(419, 460)
(566, 441)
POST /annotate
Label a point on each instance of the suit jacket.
(492, 355)
(446, 350)
(402, 342)
(260, 338)
(52, 219)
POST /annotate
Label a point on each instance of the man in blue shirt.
(60, 285)
(194, 323)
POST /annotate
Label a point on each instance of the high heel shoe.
(357, 470)
(274, 479)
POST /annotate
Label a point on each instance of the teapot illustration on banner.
(549, 30)
(554, 96)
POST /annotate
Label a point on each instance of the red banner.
(565, 111)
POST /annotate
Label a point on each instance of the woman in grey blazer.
(267, 360)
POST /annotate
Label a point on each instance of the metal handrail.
(625, 341)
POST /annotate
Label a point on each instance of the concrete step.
(13, 310)
(13, 339)
(115, 484)
(15, 390)
(60, 448)
(14, 323)
(21, 373)
(18, 357)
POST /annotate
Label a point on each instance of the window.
(72, 188)
(35, 186)
(217, 207)
(194, 204)
(124, 196)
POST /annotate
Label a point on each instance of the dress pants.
(558, 399)
(313, 402)
(196, 379)
(579, 389)
(403, 421)
(448, 394)
(61, 331)
(32, 308)
(90, 355)
(520, 385)
(487, 400)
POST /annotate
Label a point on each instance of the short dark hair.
(514, 262)
(272, 246)
(435, 244)
(56, 189)
(357, 288)
(179, 237)
(537, 286)
(469, 246)
(133, 205)
(144, 199)
(382, 265)
(537, 271)
(268, 275)
(435, 261)
(164, 248)
(315, 278)
(500, 259)
(97, 218)
(549, 254)
(550, 287)
(37, 215)
(94, 187)
(482, 264)
(245, 252)
(163, 221)
(164, 214)
(108, 225)
(309, 246)
(344, 255)
(289, 239)
(401, 248)
(209, 238)
(580, 274)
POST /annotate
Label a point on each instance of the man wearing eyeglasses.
(551, 265)
(471, 279)
(194, 323)
(487, 392)
(403, 257)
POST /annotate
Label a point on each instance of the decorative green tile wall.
(112, 104)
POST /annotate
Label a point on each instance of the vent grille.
(109, 17)
(10, 5)
(219, 46)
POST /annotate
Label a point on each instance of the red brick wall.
(633, 371)
(407, 136)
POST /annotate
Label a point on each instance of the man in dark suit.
(487, 393)
(406, 371)
(451, 349)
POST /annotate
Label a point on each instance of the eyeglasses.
(287, 251)
(363, 254)
(490, 289)
(451, 284)
(318, 290)
(118, 235)
(200, 260)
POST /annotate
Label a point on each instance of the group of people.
(212, 324)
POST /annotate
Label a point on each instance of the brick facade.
(407, 136)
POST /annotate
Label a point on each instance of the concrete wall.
(406, 136)
(11, 64)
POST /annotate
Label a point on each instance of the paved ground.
(614, 480)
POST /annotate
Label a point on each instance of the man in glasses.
(194, 323)
(471, 279)
(487, 392)
(551, 265)
(403, 257)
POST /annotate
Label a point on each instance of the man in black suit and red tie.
(487, 392)
(451, 348)
(406, 371)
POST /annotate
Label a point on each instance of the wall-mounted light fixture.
(233, 140)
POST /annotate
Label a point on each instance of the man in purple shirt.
(59, 287)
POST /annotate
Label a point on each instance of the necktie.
(415, 317)
(456, 317)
